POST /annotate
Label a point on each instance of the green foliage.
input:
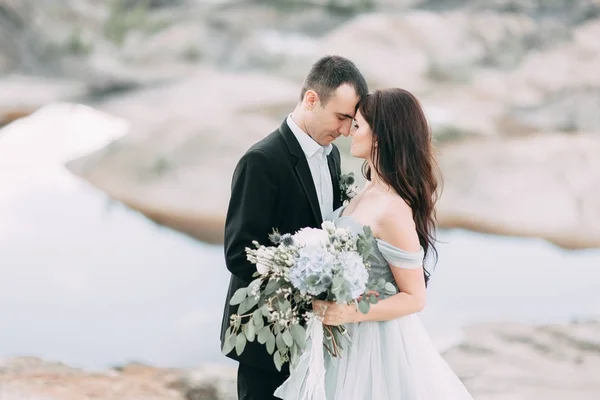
(122, 19)
(76, 45)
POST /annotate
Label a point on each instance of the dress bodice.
(383, 254)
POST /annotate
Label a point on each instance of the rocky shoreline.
(507, 361)
(200, 83)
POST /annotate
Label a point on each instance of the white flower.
(341, 232)
(328, 226)
(311, 237)
(262, 269)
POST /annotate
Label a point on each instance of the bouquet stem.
(335, 347)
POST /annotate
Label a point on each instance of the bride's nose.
(352, 130)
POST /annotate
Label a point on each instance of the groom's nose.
(345, 127)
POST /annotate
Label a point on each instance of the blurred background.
(121, 122)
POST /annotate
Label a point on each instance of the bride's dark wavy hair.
(403, 157)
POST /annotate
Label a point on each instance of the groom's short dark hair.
(329, 73)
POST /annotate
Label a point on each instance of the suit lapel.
(335, 180)
(302, 170)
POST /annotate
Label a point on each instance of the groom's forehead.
(344, 101)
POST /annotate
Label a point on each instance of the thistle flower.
(275, 237)
(287, 240)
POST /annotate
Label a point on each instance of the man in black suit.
(287, 181)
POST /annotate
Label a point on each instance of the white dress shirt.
(316, 155)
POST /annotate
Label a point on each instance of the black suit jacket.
(272, 187)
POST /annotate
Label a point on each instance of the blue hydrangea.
(312, 272)
(353, 270)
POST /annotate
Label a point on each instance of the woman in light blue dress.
(391, 355)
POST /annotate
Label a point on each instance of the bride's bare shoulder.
(395, 223)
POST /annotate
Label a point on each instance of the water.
(92, 284)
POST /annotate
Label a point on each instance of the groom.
(287, 181)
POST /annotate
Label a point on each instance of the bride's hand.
(336, 314)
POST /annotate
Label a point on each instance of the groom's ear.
(311, 98)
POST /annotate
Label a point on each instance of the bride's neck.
(376, 182)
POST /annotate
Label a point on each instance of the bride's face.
(362, 138)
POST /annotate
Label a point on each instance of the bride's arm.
(398, 229)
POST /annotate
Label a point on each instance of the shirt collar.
(309, 146)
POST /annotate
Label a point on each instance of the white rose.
(311, 237)
(262, 269)
(328, 226)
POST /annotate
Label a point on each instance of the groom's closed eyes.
(344, 116)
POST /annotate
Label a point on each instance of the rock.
(508, 361)
(22, 95)
(181, 42)
(545, 186)
(209, 383)
(516, 361)
(32, 378)
(565, 111)
(428, 46)
(35, 365)
(568, 12)
(176, 165)
(128, 4)
(23, 45)
(456, 62)
(545, 74)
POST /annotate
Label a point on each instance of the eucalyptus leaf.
(288, 338)
(238, 296)
(285, 305)
(232, 339)
(272, 286)
(263, 335)
(299, 335)
(265, 311)
(280, 342)
(244, 306)
(364, 306)
(390, 288)
(278, 360)
(262, 301)
(228, 343)
(240, 343)
(271, 343)
(257, 320)
(337, 283)
(381, 283)
(372, 299)
(252, 301)
(294, 355)
(250, 331)
(254, 285)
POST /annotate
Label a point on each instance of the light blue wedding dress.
(385, 360)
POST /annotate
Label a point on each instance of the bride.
(391, 355)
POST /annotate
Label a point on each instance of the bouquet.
(325, 264)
